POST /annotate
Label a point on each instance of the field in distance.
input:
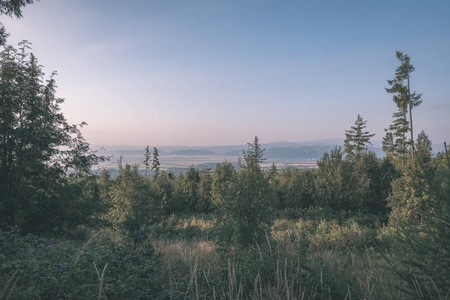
(179, 159)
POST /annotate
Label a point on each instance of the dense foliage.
(38, 147)
(357, 226)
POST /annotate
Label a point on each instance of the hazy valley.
(178, 159)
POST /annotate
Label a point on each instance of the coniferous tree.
(446, 154)
(400, 87)
(204, 191)
(191, 180)
(155, 163)
(147, 157)
(395, 143)
(389, 144)
(356, 139)
(104, 183)
(37, 145)
(333, 183)
(423, 148)
(295, 189)
(80, 157)
(133, 201)
(244, 207)
(222, 179)
(164, 187)
(419, 229)
(254, 154)
(273, 180)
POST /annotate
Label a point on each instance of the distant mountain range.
(219, 149)
(191, 152)
(181, 157)
(277, 150)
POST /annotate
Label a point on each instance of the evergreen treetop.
(400, 87)
(356, 139)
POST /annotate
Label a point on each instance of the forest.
(356, 227)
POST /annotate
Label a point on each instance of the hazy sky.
(221, 72)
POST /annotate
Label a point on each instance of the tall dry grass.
(339, 266)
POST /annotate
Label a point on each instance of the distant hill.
(192, 152)
(236, 150)
(297, 153)
(179, 158)
(325, 142)
(233, 153)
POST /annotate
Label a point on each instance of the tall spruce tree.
(254, 154)
(356, 139)
(395, 142)
(400, 87)
(155, 163)
(147, 157)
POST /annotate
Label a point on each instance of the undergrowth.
(300, 259)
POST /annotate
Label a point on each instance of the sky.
(221, 72)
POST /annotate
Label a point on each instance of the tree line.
(47, 183)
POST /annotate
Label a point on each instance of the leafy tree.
(11, 8)
(400, 87)
(37, 145)
(356, 138)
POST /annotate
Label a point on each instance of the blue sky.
(221, 72)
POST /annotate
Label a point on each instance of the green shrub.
(41, 268)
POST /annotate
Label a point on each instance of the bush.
(41, 268)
